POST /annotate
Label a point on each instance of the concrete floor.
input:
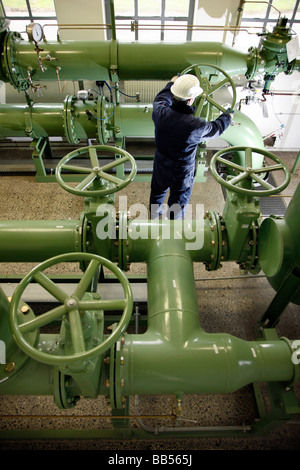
(225, 305)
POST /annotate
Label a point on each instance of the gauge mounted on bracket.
(35, 32)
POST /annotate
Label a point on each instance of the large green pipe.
(196, 235)
(22, 61)
(279, 250)
(175, 355)
(46, 120)
(135, 120)
(98, 60)
(37, 240)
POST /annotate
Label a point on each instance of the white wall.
(87, 12)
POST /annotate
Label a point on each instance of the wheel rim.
(248, 173)
(71, 306)
(96, 172)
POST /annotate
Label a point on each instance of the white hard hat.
(186, 87)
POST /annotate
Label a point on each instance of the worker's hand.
(174, 78)
(230, 112)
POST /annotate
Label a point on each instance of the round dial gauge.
(35, 32)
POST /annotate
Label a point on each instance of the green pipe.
(244, 132)
(135, 121)
(23, 62)
(100, 60)
(279, 250)
(31, 378)
(37, 240)
(163, 60)
(46, 120)
(4, 326)
(175, 355)
(196, 236)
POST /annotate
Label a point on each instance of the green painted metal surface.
(174, 355)
(38, 240)
(280, 237)
(112, 60)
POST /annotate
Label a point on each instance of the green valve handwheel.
(107, 182)
(208, 76)
(72, 309)
(247, 174)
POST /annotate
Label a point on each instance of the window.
(157, 20)
(22, 12)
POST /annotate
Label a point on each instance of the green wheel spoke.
(269, 168)
(76, 331)
(214, 103)
(215, 87)
(230, 164)
(248, 158)
(75, 169)
(110, 178)
(50, 286)
(86, 182)
(93, 157)
(116, 162)
(87, 278)
(42, 320)
(239, 178)
(261, 181)
(200, 106)
(198, 73)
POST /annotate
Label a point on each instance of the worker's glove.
(230, 111)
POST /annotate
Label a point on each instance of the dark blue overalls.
(177, 135)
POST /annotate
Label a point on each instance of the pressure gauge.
(35, 32)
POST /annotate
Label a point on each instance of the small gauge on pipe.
(35, 32)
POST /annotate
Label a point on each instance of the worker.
(177, 135)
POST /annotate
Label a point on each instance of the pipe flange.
(252, 62)
(69, 121)
(14, 73)
(63, 398)
(119, 375)
(296, 375)
(102, 121)
(253, 265)
(216, 241)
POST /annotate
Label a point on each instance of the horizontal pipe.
(135, 120)
(99, 60)
(196, 235)
(203, 363)
(37, 240)
(33, 378)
